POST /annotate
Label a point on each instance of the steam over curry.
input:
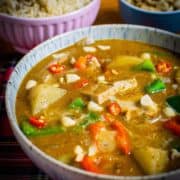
(109, 107)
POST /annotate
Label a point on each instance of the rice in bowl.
(157, 5)
(40, 8)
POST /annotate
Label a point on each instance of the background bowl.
(169, 20)
(52, 167)
(25, 33)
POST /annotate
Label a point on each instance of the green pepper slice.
(174, 102)
(156, 86)
(146, 65)
(78, 103)
(30, 130)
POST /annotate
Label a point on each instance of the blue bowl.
(169, 20)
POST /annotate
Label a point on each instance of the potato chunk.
(43, 95)
(123, 60)
(152, 160)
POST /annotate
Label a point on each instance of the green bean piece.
(31, 131)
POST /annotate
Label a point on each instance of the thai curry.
(108, 107)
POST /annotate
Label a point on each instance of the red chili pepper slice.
(122, 138)
(173, 125)
(81, 63)
(108, 117)
(114, 108)
(89, 165)
(95, 128)
(163, 67)
(123, 144)
(37, 122)
(81, 83)
(56, 68)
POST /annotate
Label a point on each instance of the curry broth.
(142, 133)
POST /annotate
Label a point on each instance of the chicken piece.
(89, 49)
(146, 101)
(79, 152)
(146, 55)
(104, 47)
(150, 107)
(92, 106)
(101, 92)
(92, 150)
(30, 84)
(169, 112)
(60, 56)
(67, 121)
(71, 78)
(102, 79)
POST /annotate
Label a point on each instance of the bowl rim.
(19, 134)
(149, 12)
(63, 16)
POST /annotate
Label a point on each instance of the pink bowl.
(25, 33)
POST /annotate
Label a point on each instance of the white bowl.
(52, 167)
